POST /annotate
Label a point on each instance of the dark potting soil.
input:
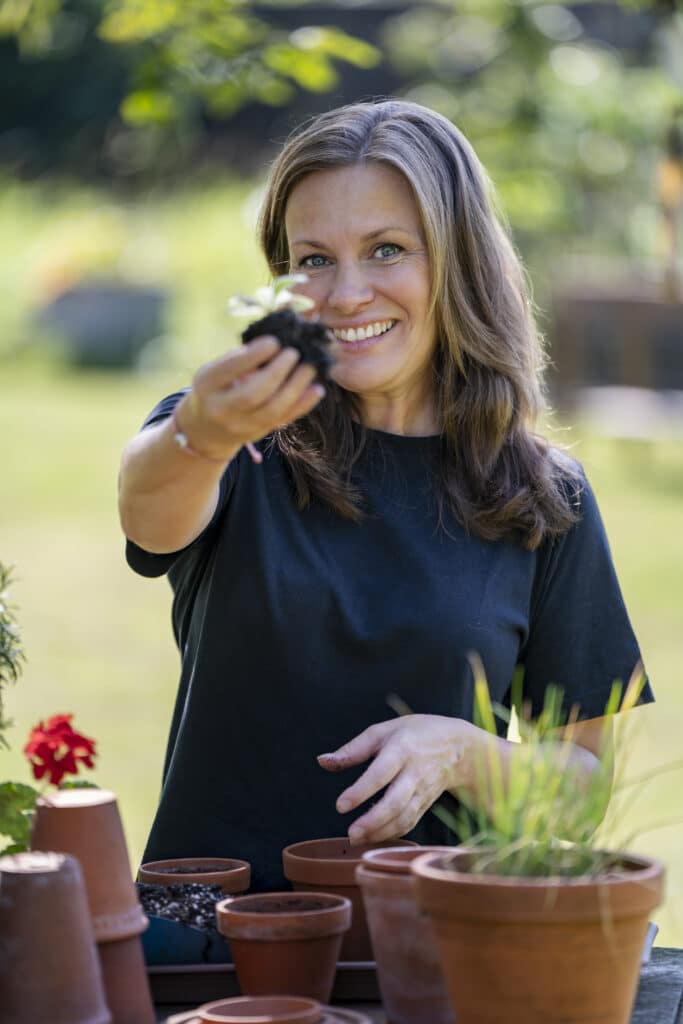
(313, 340)
(189, 903)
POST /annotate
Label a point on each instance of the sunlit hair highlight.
(498, 476)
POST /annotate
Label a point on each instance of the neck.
(395, 416)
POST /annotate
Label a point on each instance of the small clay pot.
(329, 865)
(232, 875)
(408, 967)
(49, 968)
(261, 1010)
(86, 823)
(285, 942)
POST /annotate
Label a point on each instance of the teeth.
(361, 333)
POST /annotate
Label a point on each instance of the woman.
(402, 517)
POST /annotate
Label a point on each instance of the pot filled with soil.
(233, 876)
(539, 950)
(49, 968)
(409, 970)
(329, 865)
(285, 942)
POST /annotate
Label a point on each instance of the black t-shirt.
(295, 626)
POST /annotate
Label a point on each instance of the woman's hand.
(417, 757)
(244, 395)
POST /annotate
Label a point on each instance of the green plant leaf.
(17, 802)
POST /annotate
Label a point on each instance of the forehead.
(352, 200)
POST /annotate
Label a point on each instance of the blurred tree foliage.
(164, 65)
(567, 105)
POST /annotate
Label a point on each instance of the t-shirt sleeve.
(580, 637)
(148, 563)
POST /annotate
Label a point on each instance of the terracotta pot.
(233, 876)
(261, 1010)
(329, 865)
(539, 950)
(285, 942)
(86, 823)
(408, 965)
(49, 969)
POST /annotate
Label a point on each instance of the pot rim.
(396, 860)
(231, 874)
(307, 862)
(235, 920)
(644, 869)
(308, 1011)
(205, 865)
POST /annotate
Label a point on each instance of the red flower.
(55, 749)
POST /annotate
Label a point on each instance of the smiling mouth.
(361, 337)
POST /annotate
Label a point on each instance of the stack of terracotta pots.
(86, 824)
(49, 968)
(409, 971)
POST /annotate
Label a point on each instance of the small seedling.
(277, 310)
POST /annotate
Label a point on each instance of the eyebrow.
(364, 238)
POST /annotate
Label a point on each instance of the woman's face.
(356, 232)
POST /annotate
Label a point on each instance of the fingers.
(390, 826)
(359, 749)
(380, 773)
(389, 808)
(222, 372)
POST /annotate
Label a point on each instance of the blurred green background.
(134, 139)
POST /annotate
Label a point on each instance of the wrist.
(186, 441)
(478, 749)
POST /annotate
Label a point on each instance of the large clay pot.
(408, 966)
(49, 968)
(539, 950)
(329, 865)
(86, 823)
(285, 942)
(232, 875)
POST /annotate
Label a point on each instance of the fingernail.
(319, 390)
(321, 756)
(356, 833)
(343, 806)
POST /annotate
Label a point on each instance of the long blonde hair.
(499, 478)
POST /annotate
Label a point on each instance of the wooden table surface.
(659, 999)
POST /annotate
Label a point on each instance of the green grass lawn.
(98, 638)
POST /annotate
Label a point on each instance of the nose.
(351, 290)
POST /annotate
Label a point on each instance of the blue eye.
(307, 261)
(394, 249)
